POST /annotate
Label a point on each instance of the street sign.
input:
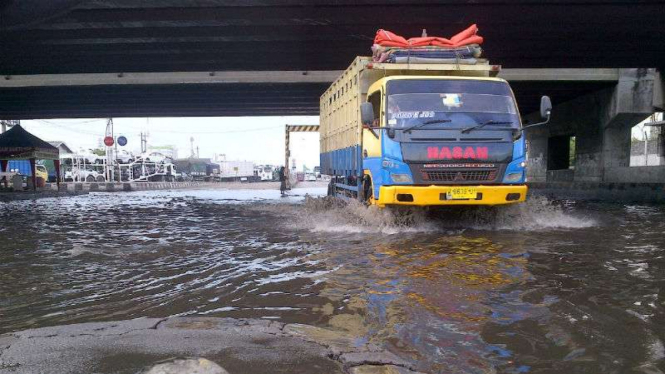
(108, 141)
(122, 141)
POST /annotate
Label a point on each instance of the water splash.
(331, 215)
(536, 214)
(326, 214)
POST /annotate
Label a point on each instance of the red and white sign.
(108, 141)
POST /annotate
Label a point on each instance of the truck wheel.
(90, 178)
(367, 189)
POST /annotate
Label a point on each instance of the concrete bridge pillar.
(600, 124)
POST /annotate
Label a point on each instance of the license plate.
(459, 193)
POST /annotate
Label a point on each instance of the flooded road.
(538, 288)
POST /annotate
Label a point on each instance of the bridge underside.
(214, 99)
(275, 57)
(215, 37)
(75, 36)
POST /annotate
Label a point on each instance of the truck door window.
(375, 100)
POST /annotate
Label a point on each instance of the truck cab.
(443, 140)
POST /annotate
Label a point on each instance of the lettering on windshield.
(409, 115)
(457, 153)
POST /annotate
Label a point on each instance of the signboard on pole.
(122, 141)
(108, 141)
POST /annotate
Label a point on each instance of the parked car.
(310, 177)
(92, 158)
(153, 157)
(76, 175)
(124, 157)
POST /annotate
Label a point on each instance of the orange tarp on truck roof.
(469, 36)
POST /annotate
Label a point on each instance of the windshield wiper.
(481, 125)
(432, 121)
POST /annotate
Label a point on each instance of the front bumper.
(432, 195)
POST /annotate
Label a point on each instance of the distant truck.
(264, 173)
(23, 167)
(423, 134)
(234, 170)
(198, 169)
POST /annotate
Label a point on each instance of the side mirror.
(545, 112)
(366, 114)
(545, 107)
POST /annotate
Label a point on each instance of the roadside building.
(62, 147)
(49, 164)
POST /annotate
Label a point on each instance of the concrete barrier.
(78, 188)
(614, 192)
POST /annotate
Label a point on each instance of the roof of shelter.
(18, 144)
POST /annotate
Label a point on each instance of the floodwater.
(544, 287)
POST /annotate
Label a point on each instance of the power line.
(222, 132)
(65, 126)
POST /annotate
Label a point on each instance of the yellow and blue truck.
(423, 135)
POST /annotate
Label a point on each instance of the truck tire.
(100, 178)
(367, 191)
(331, 188)
(90, 178)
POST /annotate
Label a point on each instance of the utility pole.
(144, 143)
(646, 147)
(7, 124)
(191, 147)
(109, 152)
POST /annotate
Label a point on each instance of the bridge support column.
(600, 124)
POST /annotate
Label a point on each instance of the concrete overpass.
(599, 60)
(296, 46)
(234, 93)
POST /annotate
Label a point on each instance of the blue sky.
(258, 139)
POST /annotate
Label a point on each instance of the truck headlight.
(513, 177)
(523, 164)
(401, 178)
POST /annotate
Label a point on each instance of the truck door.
(372, 143)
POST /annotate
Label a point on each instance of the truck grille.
(460, 176)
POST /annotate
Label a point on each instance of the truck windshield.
(450, 104)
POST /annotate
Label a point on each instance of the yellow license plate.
(458, 193)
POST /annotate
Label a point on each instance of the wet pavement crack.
(42, 336)
(154, 327)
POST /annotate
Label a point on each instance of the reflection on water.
(536, 288)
